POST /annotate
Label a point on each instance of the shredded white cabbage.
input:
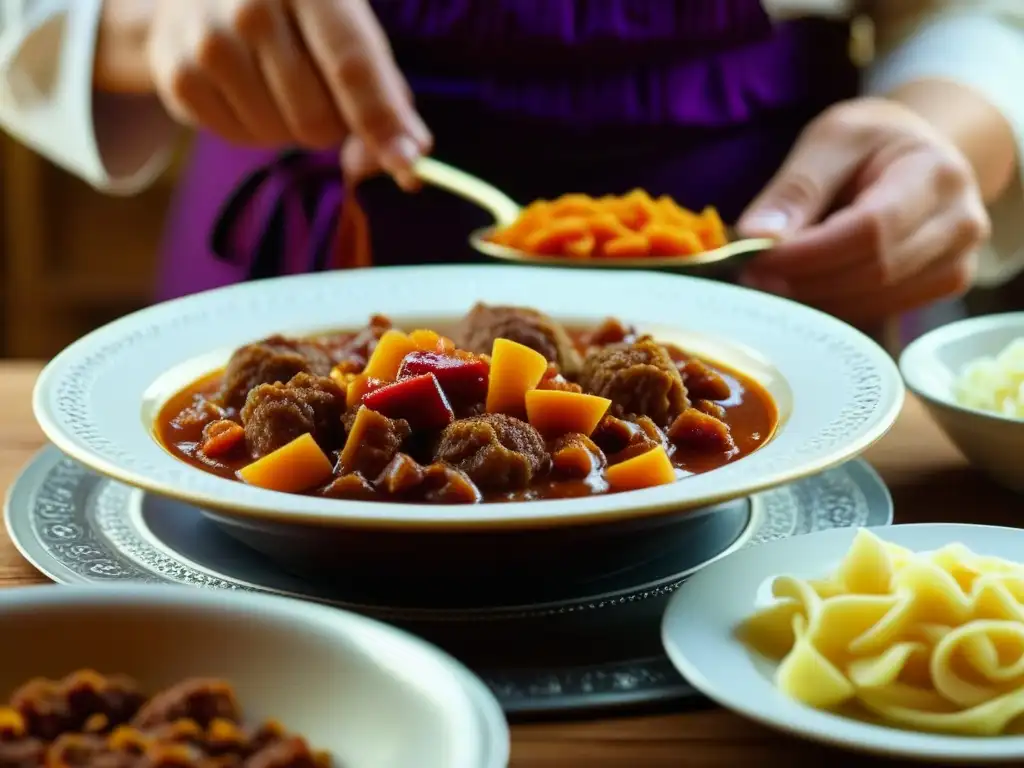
(994, 384)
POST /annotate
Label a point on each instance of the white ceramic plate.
(702, 616)
(837, 391)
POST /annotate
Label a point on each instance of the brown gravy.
(750, 413)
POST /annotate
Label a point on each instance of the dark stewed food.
(510, 405)
(89, 720)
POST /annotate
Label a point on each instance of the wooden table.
(930, 482)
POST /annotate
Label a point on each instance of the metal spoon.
(505, 211)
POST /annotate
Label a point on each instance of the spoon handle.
(504, 209)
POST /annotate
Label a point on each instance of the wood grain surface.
(929, 480)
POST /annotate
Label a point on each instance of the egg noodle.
(931, 641)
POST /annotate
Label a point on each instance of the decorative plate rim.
(79, 398)
(120, 546)
(32, 507)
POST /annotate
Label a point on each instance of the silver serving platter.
(564, 644)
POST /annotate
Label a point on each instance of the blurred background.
(72, 259)
(63, 275)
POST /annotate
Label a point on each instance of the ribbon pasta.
(931, 641)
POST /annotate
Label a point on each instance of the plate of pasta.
(907, 641)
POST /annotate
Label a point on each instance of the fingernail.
(766, 223)
(422, 135)
(401, 152)
(398, 158)
(766, 283)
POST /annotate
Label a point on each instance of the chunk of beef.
(621, 439)
(352, 486)
(575, 456)
(652, 431)
(95, 721)
(266, 733)
(496, 451)
(437, 483)
(276, 414)
(613, 434)
(292, 752)
(176, 732)
(402, 475)
(443, 484)
(552, 379)
(640, 379)
(272, 361)
(51, 707)
(372, 442)
(200, 413)
(533, 329)
(199, 699)
(22, 753)
(711, 408)
(698, 431)
(349, 417)
(353, 350)
(82, 750)
(611, 331)
(703, 382)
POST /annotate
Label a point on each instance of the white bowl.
(375, 697)
(836, 390)
(930, 367)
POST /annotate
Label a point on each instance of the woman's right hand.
(312, 73)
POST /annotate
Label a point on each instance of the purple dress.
(697, 99)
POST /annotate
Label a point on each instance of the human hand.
(311, 73)
(876, 214)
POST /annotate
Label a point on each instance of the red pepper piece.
(463, 379)
(419, 400)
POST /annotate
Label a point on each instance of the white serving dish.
(837, 391)
(372, 695)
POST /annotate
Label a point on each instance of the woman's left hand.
(876, 214)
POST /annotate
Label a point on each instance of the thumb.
(822, 162)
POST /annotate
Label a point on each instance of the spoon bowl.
(480, 240)
(505, 211)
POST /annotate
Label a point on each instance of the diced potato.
(293, 468)
(644, 471)
(387, 356)
(515, 370)
(557, 412)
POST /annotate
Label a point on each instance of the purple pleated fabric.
(699, 99)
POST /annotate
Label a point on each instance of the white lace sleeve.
(118, 144)
(979, 44)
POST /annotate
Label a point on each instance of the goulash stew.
(89, 720)
(510, 406)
